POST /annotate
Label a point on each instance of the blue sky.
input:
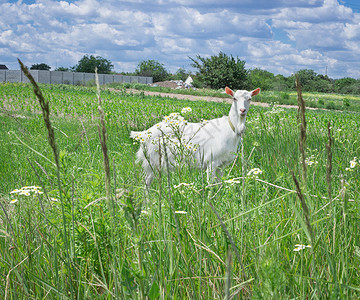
(281, 36)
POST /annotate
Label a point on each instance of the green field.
(237, 238)
(344, 102)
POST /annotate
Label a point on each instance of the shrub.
(284, 96)
(331, 105)
(90, 83)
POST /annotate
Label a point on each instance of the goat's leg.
(209, 174)
(212, 171)
(149, 179)
(219, 173)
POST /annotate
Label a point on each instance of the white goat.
(211, 144)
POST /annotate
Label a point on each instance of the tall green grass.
(235, 238)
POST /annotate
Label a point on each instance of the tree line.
(218, 71)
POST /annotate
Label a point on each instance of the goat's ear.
(255, 92)
(229, 92)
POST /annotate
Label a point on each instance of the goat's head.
(241, 100)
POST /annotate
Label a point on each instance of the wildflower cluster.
(299, 247)
(26, 191)
(310, 161)
(232, 181)
(172, 127)
(143, 136)
(174, 119)
(274, 110)
(254, 172)
(353, 164)
(183, 184)
(190, 146)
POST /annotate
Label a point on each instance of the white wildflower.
(310, 161)
(232, 181)
(254, 172)
(353, 163)
(183, 184)
(274, 110)
(25, 193)
(180, 212)
(16, 191)
(174, 119)
(299, 247)
(13, 201)
(186, 110)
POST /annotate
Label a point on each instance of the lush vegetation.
(40, 67)
(152, 68)
(313, 100)
(88, 64)
(253, 235)
(310, 82)
(220, 70)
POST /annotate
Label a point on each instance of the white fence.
(58, 77)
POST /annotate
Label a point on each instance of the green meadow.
(272, 228)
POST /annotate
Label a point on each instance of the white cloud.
(330, 11)
(278, 36)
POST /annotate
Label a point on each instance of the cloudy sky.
(281, 36)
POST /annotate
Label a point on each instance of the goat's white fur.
(212, 144)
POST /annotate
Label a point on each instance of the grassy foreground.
(254, 235)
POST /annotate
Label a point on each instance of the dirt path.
(206, 98)
(190, 97)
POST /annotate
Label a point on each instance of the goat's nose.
(242, 110)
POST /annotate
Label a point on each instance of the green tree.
(221, 70)
(63, 69)
(342, 85)
(152, 68)
(88, 64)
(313, 82)
(262, 79)
(282, 83)
(307, 78)
(41, 66)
